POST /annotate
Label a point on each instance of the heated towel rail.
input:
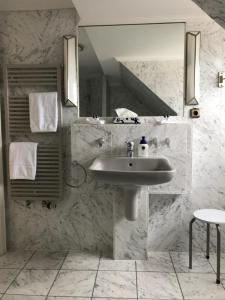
(18, 82)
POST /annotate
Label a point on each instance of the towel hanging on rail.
(23, 160)
(43, 112)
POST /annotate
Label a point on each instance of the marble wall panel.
(130, 239)
(164, 78)
(215, 9)
(84, 219)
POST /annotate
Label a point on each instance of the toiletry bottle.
(143, 147)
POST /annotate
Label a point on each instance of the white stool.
(208, 216)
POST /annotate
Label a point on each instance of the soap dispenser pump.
(143, 147)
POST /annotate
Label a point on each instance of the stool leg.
(190, 242)
(218, 254)
(208, 241)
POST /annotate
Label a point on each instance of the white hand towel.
(43, 112)
(125, 113)
(23, 160)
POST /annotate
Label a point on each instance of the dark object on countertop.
(126, 120)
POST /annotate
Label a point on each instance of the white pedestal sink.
(132, 173)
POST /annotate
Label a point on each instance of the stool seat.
(214, 216)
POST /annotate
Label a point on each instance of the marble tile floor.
(83, 276)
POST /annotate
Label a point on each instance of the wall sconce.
(71, 86)
(192, 68)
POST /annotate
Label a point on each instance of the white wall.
(97, 12)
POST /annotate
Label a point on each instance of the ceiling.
(6, 5)
(93, 12)
(101, 12)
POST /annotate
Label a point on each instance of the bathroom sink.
(133, 173)
(136, 171)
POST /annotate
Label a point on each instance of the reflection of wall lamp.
(71, 70)
(221, 79)
(192, 68)
(81, 47)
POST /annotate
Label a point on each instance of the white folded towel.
(43, 112)
(125, 113)
(22, 160)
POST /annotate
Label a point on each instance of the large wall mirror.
(138, 67)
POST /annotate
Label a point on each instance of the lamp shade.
(192, 68)
(71, 71)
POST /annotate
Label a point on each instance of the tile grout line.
(213, 268)
(56, 276)
(221, 282)
(136, 278)
(116, 270)
(98, 269)
(210, 264)
(202, 252)
(176, 275)
(20, 271)
(80, 297)
(92, 295)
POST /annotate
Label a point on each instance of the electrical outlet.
(195, 113)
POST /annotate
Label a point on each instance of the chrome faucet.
(130, 149)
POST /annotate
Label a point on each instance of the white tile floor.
(81, 276)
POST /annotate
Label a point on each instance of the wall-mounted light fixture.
(192, 68)
(71, 85)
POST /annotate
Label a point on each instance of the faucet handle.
(154, 142)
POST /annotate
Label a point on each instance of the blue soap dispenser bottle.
(143, 147)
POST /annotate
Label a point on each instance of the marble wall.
(84, 220)
(172, 140)
(164, 78)
(208, 168)
(214, 8)
(35, 37)
(208, 183)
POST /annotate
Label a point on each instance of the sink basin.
(132, 171)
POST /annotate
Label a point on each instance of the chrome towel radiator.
(18, 82)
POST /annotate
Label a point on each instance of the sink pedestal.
(130, 237)
(130, 196)
(130, 210)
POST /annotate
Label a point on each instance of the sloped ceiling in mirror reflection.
(163, 77)
(155, 105)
